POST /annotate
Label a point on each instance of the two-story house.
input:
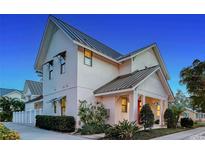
(75, 66)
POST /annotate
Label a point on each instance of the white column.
(161, 113)
(143, 100)
(133, 107)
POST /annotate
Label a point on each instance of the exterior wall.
(61, 84)
(113, 104)
(125, 67)
(29, 106)
(153, 87)
(89, 78)
(144, 59)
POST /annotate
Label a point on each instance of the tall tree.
(181, 100)
(194, 79)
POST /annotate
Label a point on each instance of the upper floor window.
(87, 57)
(62, 62)
(50, 67)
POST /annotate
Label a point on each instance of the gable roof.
(156, 51)
(35, 87)
(85, 39)
(127, 81)
(5, 91)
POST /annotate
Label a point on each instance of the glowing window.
(158, 110)
(124, 104)
(63, 106)
(88, 57)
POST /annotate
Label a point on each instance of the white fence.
(26, 117)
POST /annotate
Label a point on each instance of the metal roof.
(35, 87)
(35, 99)
(136, 51)
(5, 91)
(84, 39)
(126, 81)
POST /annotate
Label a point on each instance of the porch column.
(133, 107)
(143, 100)
(161, 113)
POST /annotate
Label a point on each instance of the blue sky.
(181, 39)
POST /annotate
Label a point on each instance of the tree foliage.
(146, 116)
(169, 118)
(194, 79)
(9, 105)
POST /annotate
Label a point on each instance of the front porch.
(127, 106)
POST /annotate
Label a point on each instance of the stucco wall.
(146, 58)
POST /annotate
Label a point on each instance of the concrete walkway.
(193, 134)
(33, 133)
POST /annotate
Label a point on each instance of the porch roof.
(35, 99)
(127, 81)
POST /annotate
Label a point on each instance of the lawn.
(145, 135)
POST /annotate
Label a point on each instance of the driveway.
(33, 133)
(193, 134)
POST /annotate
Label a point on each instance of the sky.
(180, 38)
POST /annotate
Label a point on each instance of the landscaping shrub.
(57, 123)
(125, 130)
(146, 117)
(169, 118)
(6, 134)
(186, 122)
(93, 118)
(156, 121)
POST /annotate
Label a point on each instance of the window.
(124, 104)
(54, 107)
(158, 110)
(62, 62)
(87, 57)
(63, 106)
(50, 66)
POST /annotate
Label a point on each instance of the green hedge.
(57, 123)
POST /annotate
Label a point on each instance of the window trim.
(90, 58)
(62, 57)
(50, 69)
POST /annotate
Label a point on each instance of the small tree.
(93, 117)
(9, 105)
(169, 118)
(147, 117)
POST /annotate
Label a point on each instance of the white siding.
(144, 59)
(125, 67)
(154, 87)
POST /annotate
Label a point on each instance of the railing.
(26, 117)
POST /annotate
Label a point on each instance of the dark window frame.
(50, 69)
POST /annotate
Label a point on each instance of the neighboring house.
(12, 93)
(32, 93)
(75, 66)
(195, 116)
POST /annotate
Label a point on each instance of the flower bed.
(7, 134)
